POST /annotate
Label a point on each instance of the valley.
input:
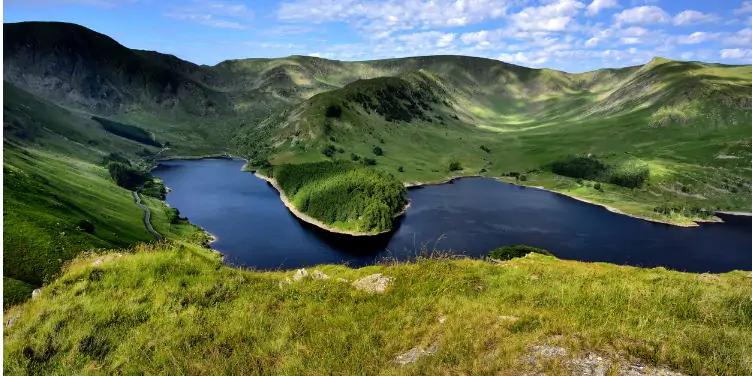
(104, 274)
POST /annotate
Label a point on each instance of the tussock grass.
(174, 308)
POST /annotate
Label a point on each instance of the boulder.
(374, 283)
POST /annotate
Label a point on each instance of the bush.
(378, 151)
(328, 150)
(598, 187)
(523, 177)
(354, 157)
(173, 215)
(511, 251)
(369, 161)
(333, 111)
(127, 176)
(579, 167)
(86, 226)
(629, 175)
(455, 165)
(401, 169)
(484, 148)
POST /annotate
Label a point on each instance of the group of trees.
(343, 194)
(130, 132)
(687, 210)
(127, 176)
(629, 175)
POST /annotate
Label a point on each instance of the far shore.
(308, 219)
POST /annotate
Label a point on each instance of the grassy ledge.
(340, 197)
(175, 308)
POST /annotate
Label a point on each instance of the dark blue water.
(468, 216)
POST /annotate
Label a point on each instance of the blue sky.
(570, 35)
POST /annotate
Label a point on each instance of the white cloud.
(592, 42)
(746, 8)
(693, 17)
(736, 54)
(687, 55)
(393, 15)
(555, 16)
(598, 5)
(221, 14)
(644, 15)
(529, 58)
(428, 39)
(315, 54)
(696, 37)
(740, 38)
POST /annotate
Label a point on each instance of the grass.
(175, 308)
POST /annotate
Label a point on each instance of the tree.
(512, 251)
(378, 151)
(598, 187)
(401, 169)
(173, 215)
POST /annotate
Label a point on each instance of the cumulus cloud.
(693, 17)
(736, 54)
(592, 42)
(598, 5)
(644, 15)
(745, 8)
(555, 16)
(740, 38)
(696, 37)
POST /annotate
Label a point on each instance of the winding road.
(147, 216)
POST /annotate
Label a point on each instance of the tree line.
(629, 175)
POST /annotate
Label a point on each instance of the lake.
(468, 216)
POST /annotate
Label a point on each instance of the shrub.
(579, 167)
(523, 177)
(328, 150)
(354, 157)
(369, 161)
(173, 215)
(629, 175)
(333, 111)
(127, 176)
(598, 187)
(340, 150)
(86, 226)
(511, 251)
(455, 165)
(401, 169)
(484, 148)
(378, 151)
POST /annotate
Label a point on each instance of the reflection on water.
(469, 216)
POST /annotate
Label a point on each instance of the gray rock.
(36, 293)
(299, 274)
(319, 275)
(12, 319)
(99, 261)
(442, 319)
(412, 355)
(374, 283)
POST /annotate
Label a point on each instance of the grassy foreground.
(176, 309)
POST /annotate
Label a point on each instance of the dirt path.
(147, 216)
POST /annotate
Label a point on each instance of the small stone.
(98, 262)
(342, 280)
(374, 283)
(412, 355)
(299, 274)
(12, 319)
(36, 293)
(319, 275)
(442, 319)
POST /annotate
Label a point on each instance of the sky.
(569, 35)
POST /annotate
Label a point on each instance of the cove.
(469, 216)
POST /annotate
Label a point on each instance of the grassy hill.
(176, 308)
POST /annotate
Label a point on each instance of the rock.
(98, 261)
(12, 319)
(36, 293)
(299, 274)
(412, 355)
(374, 283)
(442, 319)
(547, 351)
(319, 275)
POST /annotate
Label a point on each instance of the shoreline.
(313, 221)
(694, 223)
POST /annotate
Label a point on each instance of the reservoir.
(468, 216)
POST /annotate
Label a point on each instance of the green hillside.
(177, 309)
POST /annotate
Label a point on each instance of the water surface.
(469, 216)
